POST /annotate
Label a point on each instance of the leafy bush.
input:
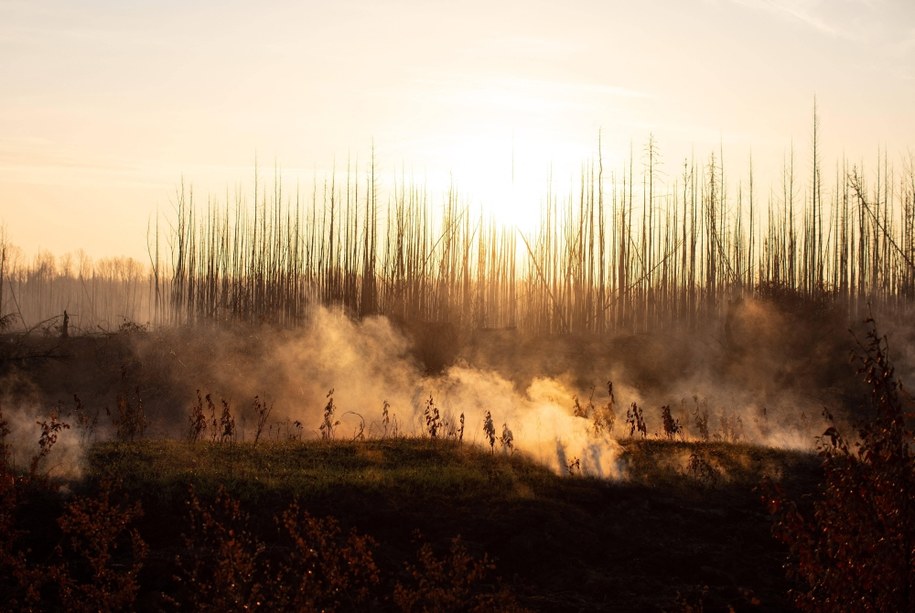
(452, 581)
(89, 559)
(221, 567)
(855, 548)
(100, 557)
(636, 421)
(130, 419)
(507, 440)
(671, 426)
(489, 429)
(328, 423)
(433, 418)
(325, 569)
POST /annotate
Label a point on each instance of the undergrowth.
(89, 554)
(853, 548)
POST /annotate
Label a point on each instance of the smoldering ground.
(761, 373)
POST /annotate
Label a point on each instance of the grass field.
(665, 536)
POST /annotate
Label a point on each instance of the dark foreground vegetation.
(406, 524)
(434, 523)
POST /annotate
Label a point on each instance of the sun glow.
(506, 176)
(486, 171)
(505, 142)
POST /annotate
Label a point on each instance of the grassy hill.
(685, 527)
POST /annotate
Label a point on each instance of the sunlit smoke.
(756, 378)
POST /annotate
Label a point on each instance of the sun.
(504, 177)
(504, 142)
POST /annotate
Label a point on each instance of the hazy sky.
(105, 105)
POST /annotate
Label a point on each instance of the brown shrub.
(855, 548)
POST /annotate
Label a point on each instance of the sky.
(107, 106)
